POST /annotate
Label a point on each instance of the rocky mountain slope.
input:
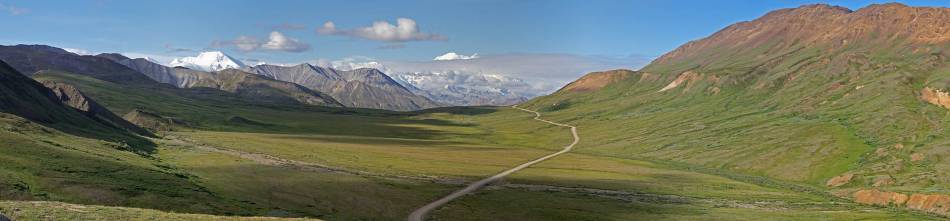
(231, 80)
(850, 102)
(365, 88)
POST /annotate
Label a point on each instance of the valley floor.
(421, 158)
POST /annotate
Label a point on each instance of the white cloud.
(404, 30)
(276, 42)
(279, 42)
(13, 10)
(453, 56)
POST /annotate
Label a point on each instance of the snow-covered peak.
(208, 61)
(453, 56)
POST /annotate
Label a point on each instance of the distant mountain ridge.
(365, 87)
(29, 59)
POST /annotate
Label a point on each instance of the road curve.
(420, 214)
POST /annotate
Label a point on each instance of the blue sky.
(596, 35)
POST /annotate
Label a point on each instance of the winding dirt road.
(420, 214)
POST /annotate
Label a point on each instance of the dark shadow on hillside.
(470, 111)
(29, 99)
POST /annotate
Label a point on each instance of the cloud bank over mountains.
(543, 72)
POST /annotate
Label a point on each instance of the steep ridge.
(29, 59)
(66, 109)
(231, 80)
(365, 88)
(807, 94)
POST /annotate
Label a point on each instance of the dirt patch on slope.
(939, 204)
(839, 180)
(685, 77)
(932, 203)
(880, 198)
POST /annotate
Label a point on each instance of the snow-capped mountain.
(467, 89)
(208, 61)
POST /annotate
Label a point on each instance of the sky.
(604, 34)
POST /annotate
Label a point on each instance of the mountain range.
(232, 80)
(459, 88)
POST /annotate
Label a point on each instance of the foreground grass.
(44, 210)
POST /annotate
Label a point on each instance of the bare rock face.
(71, 96)
(597, 80)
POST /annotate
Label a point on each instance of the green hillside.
(788, 103)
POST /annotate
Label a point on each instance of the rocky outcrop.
(597, 80)
(935, 97)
